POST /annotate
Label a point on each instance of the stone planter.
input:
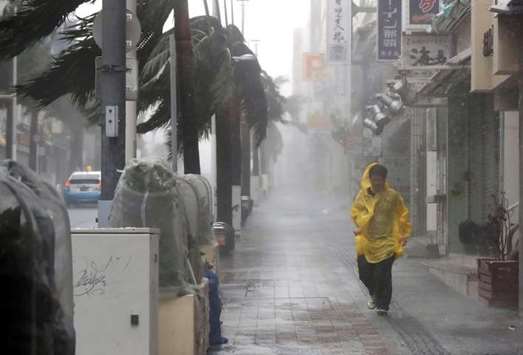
(498, 282)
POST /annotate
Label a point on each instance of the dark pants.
(378, 280)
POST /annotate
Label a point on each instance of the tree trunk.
(76, 148)
(33, 142)
(10, 131)
(246, 169)
(223, 167)
(191, 155)
(236, 158)
(520, 85)
(236, 143)
(255, 167)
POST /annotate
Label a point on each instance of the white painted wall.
(510, 159)
(432, 189)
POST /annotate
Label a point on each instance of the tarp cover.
(36, 301)
(147, 196)
(203, 190)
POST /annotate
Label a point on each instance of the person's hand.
(357, 231)
(403, 241)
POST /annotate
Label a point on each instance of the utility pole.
(255, 179)
(174, 102)
(113, 102)
(131, 97)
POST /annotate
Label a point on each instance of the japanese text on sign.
(339, 31)
(389, 30)
(423, 50)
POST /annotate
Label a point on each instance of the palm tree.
(186, 89)
(222, 86)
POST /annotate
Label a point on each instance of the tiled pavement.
(286, 291)
(291, 287)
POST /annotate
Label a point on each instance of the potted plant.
(498, 274)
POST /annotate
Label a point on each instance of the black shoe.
(219, 341)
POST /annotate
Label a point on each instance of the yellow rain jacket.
(379, 233)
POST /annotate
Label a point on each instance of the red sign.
(422, 11)
(313, 66)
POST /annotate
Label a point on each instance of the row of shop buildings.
(445, 81)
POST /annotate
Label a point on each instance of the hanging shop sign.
(425, 51)
(339, 30)
(423, 55)
(389, 30)
(419, 14)
(314, 66)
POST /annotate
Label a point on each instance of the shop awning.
(457, 71)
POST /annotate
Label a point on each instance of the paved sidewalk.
(291, 287)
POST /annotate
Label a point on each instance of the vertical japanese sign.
(339, 31)
(389, 30)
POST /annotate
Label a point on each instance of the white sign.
(339, 31)
(424, 51)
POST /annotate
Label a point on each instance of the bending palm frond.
(73, 72)
(42, 17)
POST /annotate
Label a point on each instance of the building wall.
(442, 231)
(473, 162)
(484, 156)
(457, 169)
(510, 160)
(417, 175)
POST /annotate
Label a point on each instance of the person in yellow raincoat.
(382, 228)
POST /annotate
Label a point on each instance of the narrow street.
(291, 287)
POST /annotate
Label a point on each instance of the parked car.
(83, 187)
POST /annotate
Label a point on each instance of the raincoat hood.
(362, 212)
(365, 184)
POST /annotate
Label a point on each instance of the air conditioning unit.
(115, 279)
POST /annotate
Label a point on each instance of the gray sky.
(272, 22)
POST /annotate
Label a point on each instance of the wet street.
(291, 287)
(83, 216)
